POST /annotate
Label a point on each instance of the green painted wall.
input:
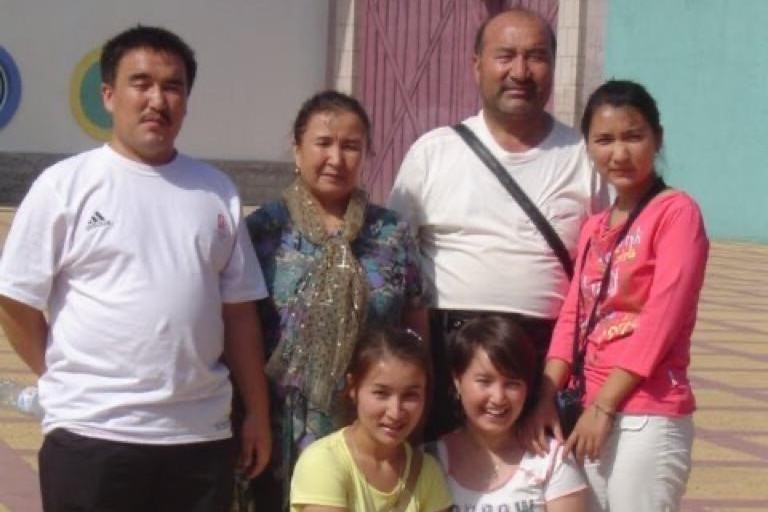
(706, 63)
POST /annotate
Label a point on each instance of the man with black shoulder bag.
(497, 201)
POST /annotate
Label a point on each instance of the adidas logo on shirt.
(97, 221)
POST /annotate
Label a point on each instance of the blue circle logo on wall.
(10, 87)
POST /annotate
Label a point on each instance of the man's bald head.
(511, 16)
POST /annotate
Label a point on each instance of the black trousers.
(83, 474)
(445, 411)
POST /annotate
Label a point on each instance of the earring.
(296, 171)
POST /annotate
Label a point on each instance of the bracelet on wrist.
(611, 414)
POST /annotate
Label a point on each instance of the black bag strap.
(579, 343)
(509, 183)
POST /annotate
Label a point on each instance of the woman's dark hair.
(377, 342)
(330, 101)
(508, 346)
(154, 38)
(374, 344)
(622, 93)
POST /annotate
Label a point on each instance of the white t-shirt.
(133, 263)
(538, 480)
(480, 250)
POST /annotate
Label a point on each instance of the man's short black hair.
(154, 38)
(480, 34)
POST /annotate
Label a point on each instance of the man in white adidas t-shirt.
(481, 252)
(140, 258)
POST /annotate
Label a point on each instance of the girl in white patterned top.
(488, 469)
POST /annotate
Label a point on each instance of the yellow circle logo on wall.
(85, 97)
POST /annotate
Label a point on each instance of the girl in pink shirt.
(636, 430)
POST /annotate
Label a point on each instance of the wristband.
(607, 412)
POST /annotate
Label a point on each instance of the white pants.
(644, 465)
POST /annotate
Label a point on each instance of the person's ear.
(107, 92)
(659, 139)
(351, 389)
(457, 387)
(297, 156)
(476, 67)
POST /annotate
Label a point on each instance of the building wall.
(570, 50)
(593, 52)
(579, 66)
(705, 63)
(257, 62)
(342, 51)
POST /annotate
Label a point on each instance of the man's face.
(148, 101)
(515, 67)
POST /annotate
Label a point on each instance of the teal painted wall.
(706, 63)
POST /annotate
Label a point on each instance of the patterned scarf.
(323, 320)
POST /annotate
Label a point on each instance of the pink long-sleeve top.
(645, 323)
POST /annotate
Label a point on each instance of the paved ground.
(729, 371)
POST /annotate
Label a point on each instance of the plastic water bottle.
(21, 397)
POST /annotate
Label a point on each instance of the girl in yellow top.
(369, 466)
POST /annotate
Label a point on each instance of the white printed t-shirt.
(480, 250)
(538, 480)
(133, 263)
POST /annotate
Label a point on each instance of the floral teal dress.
(389, 257)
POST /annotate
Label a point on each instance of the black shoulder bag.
(569, 400)
(538, 219)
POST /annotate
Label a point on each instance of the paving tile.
(12, 415)
(755, 508)
(743, 421)
(11, 361)
(755, 377)
(751, 348)
(31, 460)
(702, 362)
(732, 483)
(21, 436)
(761, 439)
(727, 336)
(740, 315)
(710, 451)
(718, 398)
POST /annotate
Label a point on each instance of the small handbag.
(570, 401)
(569, 408)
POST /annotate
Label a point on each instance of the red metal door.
(415, 73)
